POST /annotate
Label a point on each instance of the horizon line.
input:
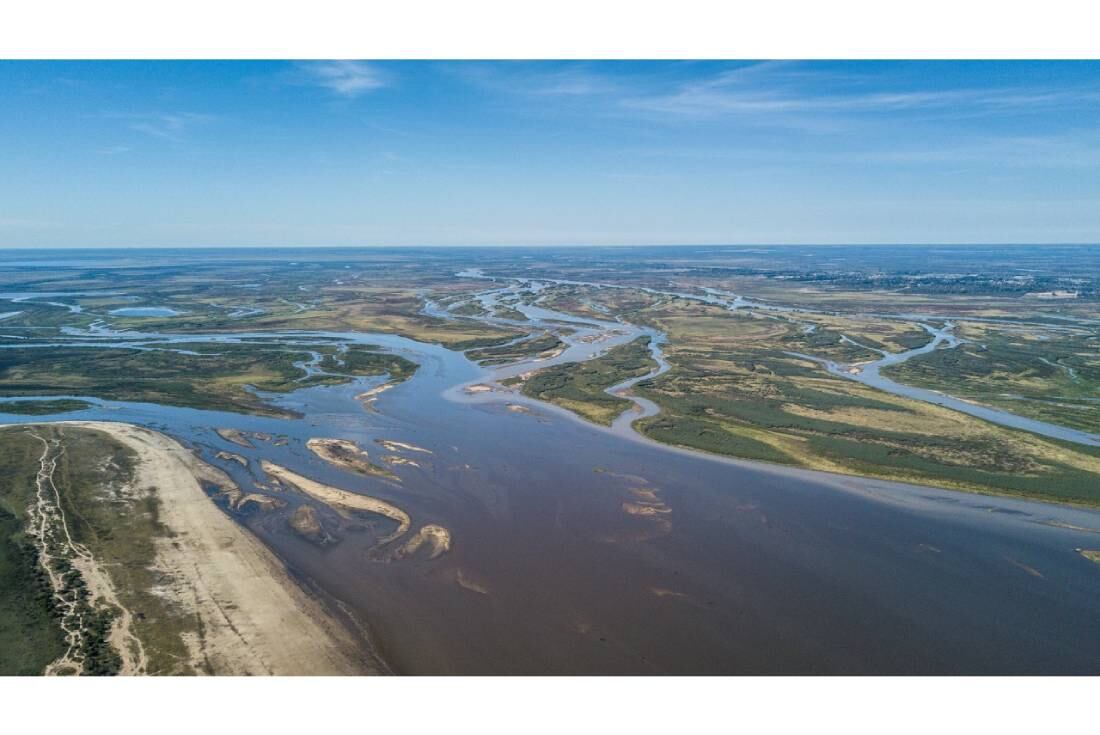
(27, 248)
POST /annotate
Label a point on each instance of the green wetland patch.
(221, 379)
(43, 408)
(1043, 374)
(581, 387)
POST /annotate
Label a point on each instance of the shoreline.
(489, 387)
(254, 618)
(865, 485)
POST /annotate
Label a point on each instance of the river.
(579, 549)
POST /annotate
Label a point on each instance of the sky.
(334, 153)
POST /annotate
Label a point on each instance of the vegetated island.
(191, 375)
(44, 407)
(581, 387)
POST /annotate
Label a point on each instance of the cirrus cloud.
(344, 78)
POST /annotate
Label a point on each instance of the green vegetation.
(506, 312)
(546, 342)
(734, 390)
(827, 343)
(1049, 375)
(470, 308)
(731, 391)
(480, 342)
(30, 636)
(360, 361)
(580, 386)
(215, 380)
(43, 408)
(710, 436)
(335, 307)
(121, 530)
(596, 303)
(118, 528)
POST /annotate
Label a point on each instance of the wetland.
(688, 487)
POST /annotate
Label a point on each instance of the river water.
(869, 373)
(729, 566)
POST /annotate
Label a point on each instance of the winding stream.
(579, 549)
(868, 373)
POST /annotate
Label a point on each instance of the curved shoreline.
(623, 425)
(254, 618)
(869, 375)
(1036, 520)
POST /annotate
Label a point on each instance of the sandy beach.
(254, 618)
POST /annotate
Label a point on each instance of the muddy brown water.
(730, 567)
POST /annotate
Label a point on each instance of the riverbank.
(727, 384)
(240, 612)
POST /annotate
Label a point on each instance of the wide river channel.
(730, 566)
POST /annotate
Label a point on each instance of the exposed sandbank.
(436, 539)
(396, 446)
(253, 618)
(347, 455)
(235, 436)
(342, 501)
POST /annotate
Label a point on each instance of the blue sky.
(542, 153)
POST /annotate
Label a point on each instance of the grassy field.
(580, 386)
(361, 361)
(211, 380)
(43, 408)
(733, 390)
(332, 307)
(1051, 375)
(539, 344)
(121, 531)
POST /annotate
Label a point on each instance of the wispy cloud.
(169, 126)
(784, 92)
(348, 79)
(537, 80)
(776, 93)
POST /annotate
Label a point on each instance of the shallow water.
(870, 374)
(745, 568)
(144, 311)
(867, 373)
